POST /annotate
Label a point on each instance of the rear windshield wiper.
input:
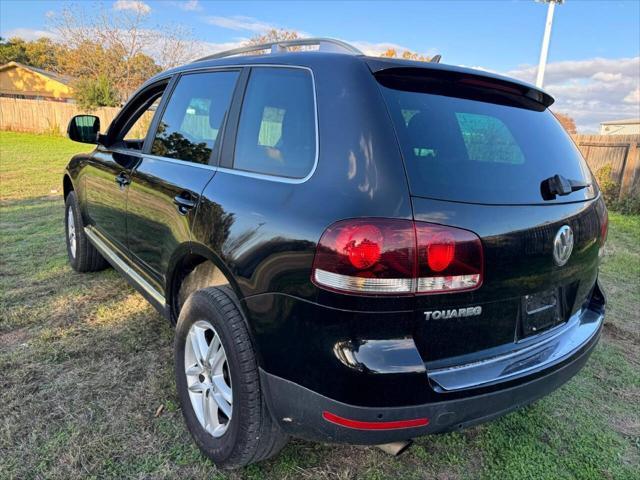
(559, 185)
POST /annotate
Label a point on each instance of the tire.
(83, 256)
(250, 434)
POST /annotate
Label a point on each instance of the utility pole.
(544, 50)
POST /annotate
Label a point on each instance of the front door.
(111, 168)
(177, 164)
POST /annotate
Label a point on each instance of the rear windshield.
(469, 150)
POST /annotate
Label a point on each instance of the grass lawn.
(85, 363)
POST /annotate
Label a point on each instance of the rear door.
(179, 160)
(480, 160)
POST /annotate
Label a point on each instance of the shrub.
(629, 205)
(610, 189)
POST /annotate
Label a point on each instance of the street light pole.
(544, 51)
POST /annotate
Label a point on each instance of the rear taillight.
(448, 259)
(389, 256)
(366, 256)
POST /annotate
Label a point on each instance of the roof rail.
(324, 45)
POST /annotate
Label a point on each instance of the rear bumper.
(299, 410)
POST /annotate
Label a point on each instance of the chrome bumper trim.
(581, 328)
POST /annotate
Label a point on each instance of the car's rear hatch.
(479, 152)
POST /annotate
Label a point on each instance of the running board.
(130, 274)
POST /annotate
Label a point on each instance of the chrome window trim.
(180, 162)
(233, 171)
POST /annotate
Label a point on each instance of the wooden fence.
(41, 116)
(622, 152)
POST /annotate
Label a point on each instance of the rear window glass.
(473, 151)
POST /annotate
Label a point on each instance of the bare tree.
(276, 35)
(175, 46)
(121, 46)
(273, 35)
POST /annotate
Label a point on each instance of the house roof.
(64, 79)
(627, 121)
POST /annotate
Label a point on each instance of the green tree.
(13, 50)
(99, 92)
(41, 53)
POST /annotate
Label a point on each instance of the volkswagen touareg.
(352, 249)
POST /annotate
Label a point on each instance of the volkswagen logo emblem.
(563, 245)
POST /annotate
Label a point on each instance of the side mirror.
(84, 129)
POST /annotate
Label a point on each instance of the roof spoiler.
(458, 81)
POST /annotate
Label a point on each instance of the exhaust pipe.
(395, 448)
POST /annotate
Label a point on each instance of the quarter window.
(276, 132)
(191, 123)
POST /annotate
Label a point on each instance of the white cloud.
(571, 69)
(188, 5)
(135, 5)
(28, 34)
(191, 5)
(633, 97)
(607, 77)
(592, 90)
(239, 22)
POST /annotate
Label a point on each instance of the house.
(22, 81)
(620, 127)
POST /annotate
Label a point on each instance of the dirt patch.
(621, 333)
(627, 340)
(627, 426)
(14, 338)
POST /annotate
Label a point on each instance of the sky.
(593, 68)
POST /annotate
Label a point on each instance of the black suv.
(353, 249)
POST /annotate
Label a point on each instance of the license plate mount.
(540, 311)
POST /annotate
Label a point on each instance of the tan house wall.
(620, 129)
(15, 80)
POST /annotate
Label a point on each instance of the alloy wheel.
(71, 232)
(208, 378)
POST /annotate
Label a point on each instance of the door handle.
(122, 179)
(184, 202)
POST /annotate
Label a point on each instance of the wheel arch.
(67, 185)
(193, 269)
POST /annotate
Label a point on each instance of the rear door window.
(276, 132)
(470, 150)
(190, 128)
